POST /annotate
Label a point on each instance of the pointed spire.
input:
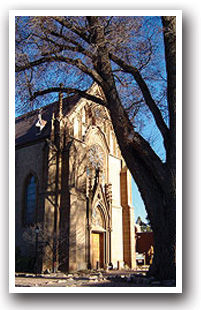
(108, 192)
(61, 100)
(60, 104)
(40, 123)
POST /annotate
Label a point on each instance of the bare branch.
(76, 48)
(75, 29)
(58, 58)
(133, 104)
(148, 58)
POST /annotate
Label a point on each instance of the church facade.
(73, 190)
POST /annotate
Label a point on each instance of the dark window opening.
(30, 201)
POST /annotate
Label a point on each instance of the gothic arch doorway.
(98, 238)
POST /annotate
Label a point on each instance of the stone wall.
(31, 159)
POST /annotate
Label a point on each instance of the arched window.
(83, 116)
(30, 200)
(76, 127)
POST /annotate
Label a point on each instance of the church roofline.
(25, 130)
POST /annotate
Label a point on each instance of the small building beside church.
(73, 190)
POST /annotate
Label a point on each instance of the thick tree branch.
(169, 24)
(146, 93)
(132, 144)
(68, 91)
(148, 159)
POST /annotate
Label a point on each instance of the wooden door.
(97, 250)
(101, 245)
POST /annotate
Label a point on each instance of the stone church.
(73, 190)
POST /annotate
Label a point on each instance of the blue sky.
(138, 204)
